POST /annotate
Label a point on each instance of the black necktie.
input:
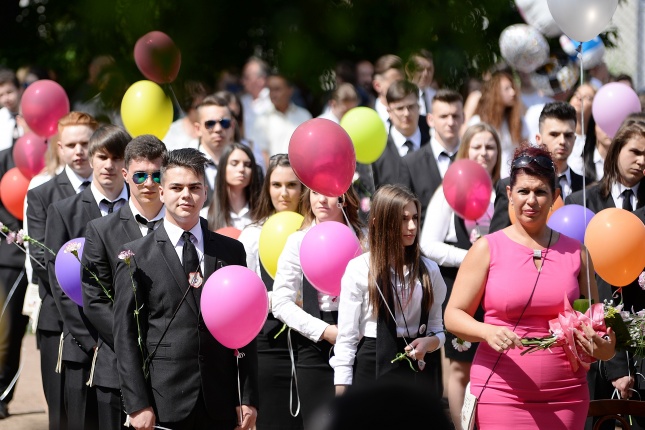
(408, 144)
(190, 259)
(627, 199)
(110, 205)
(84, 185)
(451, 157)
(150, 224)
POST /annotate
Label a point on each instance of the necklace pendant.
(195, 279)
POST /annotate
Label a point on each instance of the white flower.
(72, 248)
(126, 256)
(11, 237)
(460, 344)
(641, 280)
(20, 237)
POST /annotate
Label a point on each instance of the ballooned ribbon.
(294, 378)
(238, 356)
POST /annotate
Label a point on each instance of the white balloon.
(536, 13)
(523, 47)
(582, 20)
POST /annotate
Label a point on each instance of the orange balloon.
(231, 232)
(13, 189)
(615, 239)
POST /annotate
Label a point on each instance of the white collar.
(617, 189)
(135, 212)
(437, 148)
(399, 139)
(98, 196)
(175, 232)
(75, 179)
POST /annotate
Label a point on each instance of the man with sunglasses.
(557, 131)
(103, 240)
(66, 220)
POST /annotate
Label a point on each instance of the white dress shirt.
(174, 234)
(76, 180)
(99, 197)
(287, 292)
(8, 128)
(617, 194)
(382, 112)
(250, 238)
(399, 141)
(142, 227)
(565, 183)
(254, 108)
(273, 129)
(439, 228)
(241, 219)
(441, 155)
(575, 160)
(328, 114)
(356, 319)
(599, 164)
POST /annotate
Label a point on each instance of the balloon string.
(176, 102)
(584, 168)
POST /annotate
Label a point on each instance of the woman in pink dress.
(521, 275)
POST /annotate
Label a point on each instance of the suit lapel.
(173, 263)
(576, 182)
(62, 180)
(90, 206)
(431, 161)
(129, 223)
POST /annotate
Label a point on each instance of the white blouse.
(356, 319)
(439, 227)
(287, 292)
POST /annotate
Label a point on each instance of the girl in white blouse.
(312, 314)
(390, 301)
(446, 238)
(281, 191)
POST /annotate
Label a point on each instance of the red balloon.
(43, 103)
(231, 232)
(29, 154)
(322, 156)
(467, 187)
(157, 57)
(13, 189)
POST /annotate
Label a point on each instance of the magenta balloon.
(234, 305)
(322, 156)
(157, 57)
(324, 253)
(467, 187)
(68, 271)
(43, 103)
(29, 154)
(612, 104)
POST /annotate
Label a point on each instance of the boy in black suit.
(67, 220)
(104, 237)
(172, 370)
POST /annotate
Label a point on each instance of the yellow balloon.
(367, 131)
(146, 109)
(274, 235)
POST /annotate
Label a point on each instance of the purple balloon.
(68, 270)
(612, 104)
(570, 221)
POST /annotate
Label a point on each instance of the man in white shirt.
(255, 100)
(387, 70)
(343, 98)
(274, 128)
(10, 94)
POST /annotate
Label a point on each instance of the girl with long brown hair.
(390, 301)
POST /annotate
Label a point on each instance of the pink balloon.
(157, 57)
(234, 305)
(322, 156)
(612, 104)
(29, 154)
(467, 187)
(324, 253)
(43, 103)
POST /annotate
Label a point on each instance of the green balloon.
(368, 133)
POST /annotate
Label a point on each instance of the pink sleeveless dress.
(537, 390)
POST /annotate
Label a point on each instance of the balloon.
(582, 19)
(234, 305)
(231, 232)
(146, 109)
(557, 76)
(68, 270)
(571, 220)
(612, 104)
(467, 187)
(273, 236)
(29, 154)
(324, 253)
(157, 57)
(43, 103)
(523, 47)
(593, 51)
(367, 132)
(615, 240)
(536, 13)
(322, 156)
(13, 189)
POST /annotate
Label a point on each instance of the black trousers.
(199, 419)
(110, 409)
(13, 286)
(80, 400)
(53, 383)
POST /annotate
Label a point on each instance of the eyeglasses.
(141, 177)
(224, 122)
(540, 160)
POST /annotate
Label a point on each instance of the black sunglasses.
(540, 160)
(224, 122)
(141, 177)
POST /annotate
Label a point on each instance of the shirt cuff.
(343, 375)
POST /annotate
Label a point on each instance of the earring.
(339, 204)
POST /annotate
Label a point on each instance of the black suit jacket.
(10, 255)
(189, 359)
(389, 168)
(38, 200)
(104, 238)
(424, 175)
(500, 218)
